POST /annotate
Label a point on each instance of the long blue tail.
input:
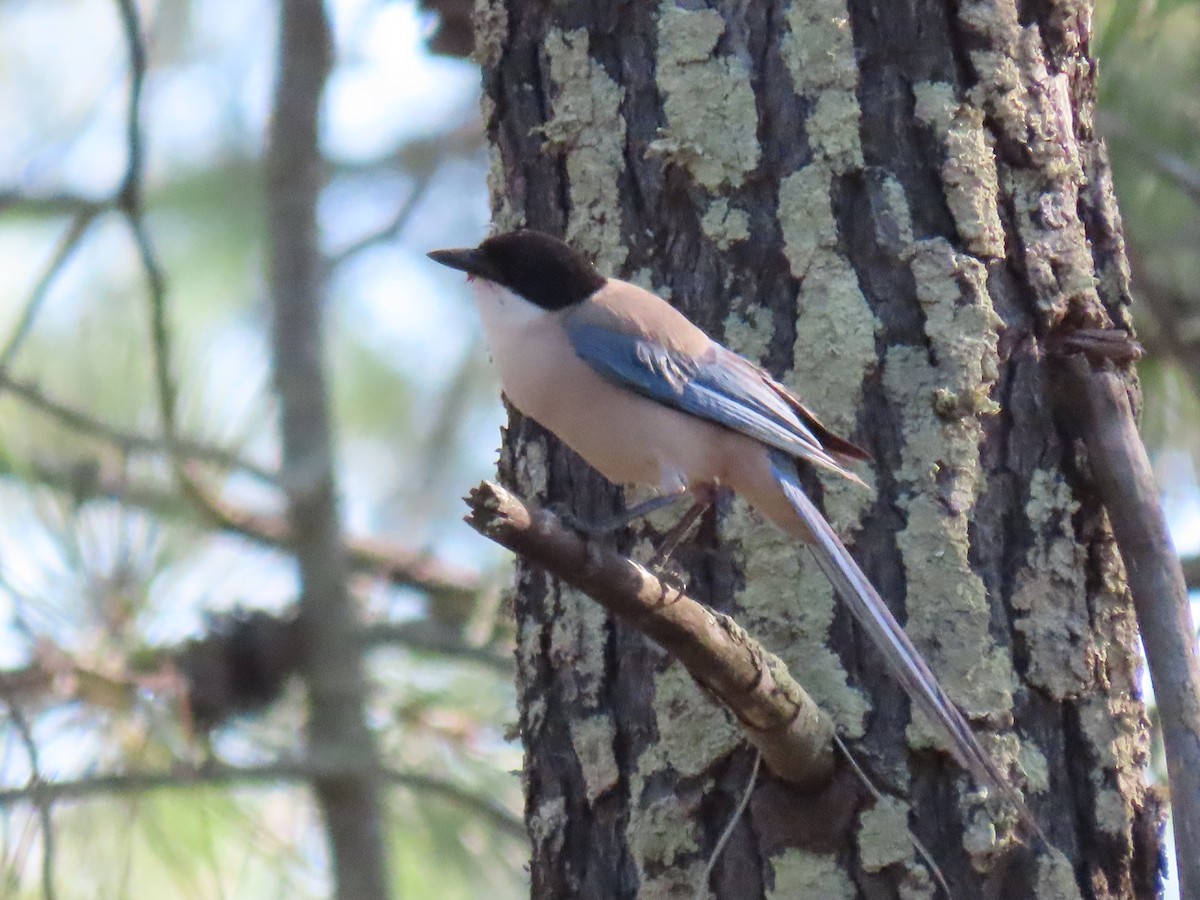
(903, 659)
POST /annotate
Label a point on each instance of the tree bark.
(893, 207)
(332, 668)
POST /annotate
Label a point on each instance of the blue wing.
(719, 386)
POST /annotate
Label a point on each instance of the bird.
(647, 398)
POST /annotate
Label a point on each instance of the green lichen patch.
(712, 118)
(819, 47)
(693, 734)
(968, 166)
(883, 838)
(662, 832)
(960, 320)
(832, 130)
(593, 740)
(835, 328)
(1051, 592)
(1115, 727)
(1032, 109)
(682, 746)
(806, 216)
(788, 604)
(548, 824)
(577, 639)
(1035, 767)
(799, 873)
(835, 342)
(491, 29)
(588, 128)
(893, 221)
(948, 611)
(724, 224)
(1055, 878)
(749, 332)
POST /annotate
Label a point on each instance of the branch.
(433, 637)
(388, 232)
(238, 666)
(127, 441)
(221, 775)
(1191, 572)
(66, 248)
(25, 732)
(86, 479)
(51, 204)
(778, 716)
(1099, 407)
(1171, 166)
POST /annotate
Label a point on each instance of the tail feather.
(903, 659)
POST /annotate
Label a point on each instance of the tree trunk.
(338, 736)
(891, 206)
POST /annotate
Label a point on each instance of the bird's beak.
(469, 260)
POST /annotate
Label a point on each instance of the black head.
(540, 268)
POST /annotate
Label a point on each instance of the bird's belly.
(626, 437)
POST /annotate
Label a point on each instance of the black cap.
(542, 269)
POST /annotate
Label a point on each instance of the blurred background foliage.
(106, 571)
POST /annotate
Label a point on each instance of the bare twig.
(727, 831)
(128, 441)
(54, 676)
(66, 248)
(220, 775)
(1176, 315)
(51, 204)
(90, 478)
(777, 715)
(432, 637)
(1176, 169)
(1191, 572)
(129, 200)
(42, 804)
(935, 870)
(388, 232)
(1099, 408)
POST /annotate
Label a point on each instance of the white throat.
(506, 318)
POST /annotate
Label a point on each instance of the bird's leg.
(601, 527)
(680, 530)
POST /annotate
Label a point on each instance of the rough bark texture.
(332, 668)
(891, 206)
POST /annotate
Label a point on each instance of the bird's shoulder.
(637, 313)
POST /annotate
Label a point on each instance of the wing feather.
(717, 385)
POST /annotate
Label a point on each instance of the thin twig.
(221, 775)
(43, 804)
(776, 714)
(727, 832)
(926, 856)
(1176, 169)
(130, 199)
(51, 204)
(431, 637)
(1191, 572)
(90, 478)
(128, 441)
(37, 297)
(388, 232)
